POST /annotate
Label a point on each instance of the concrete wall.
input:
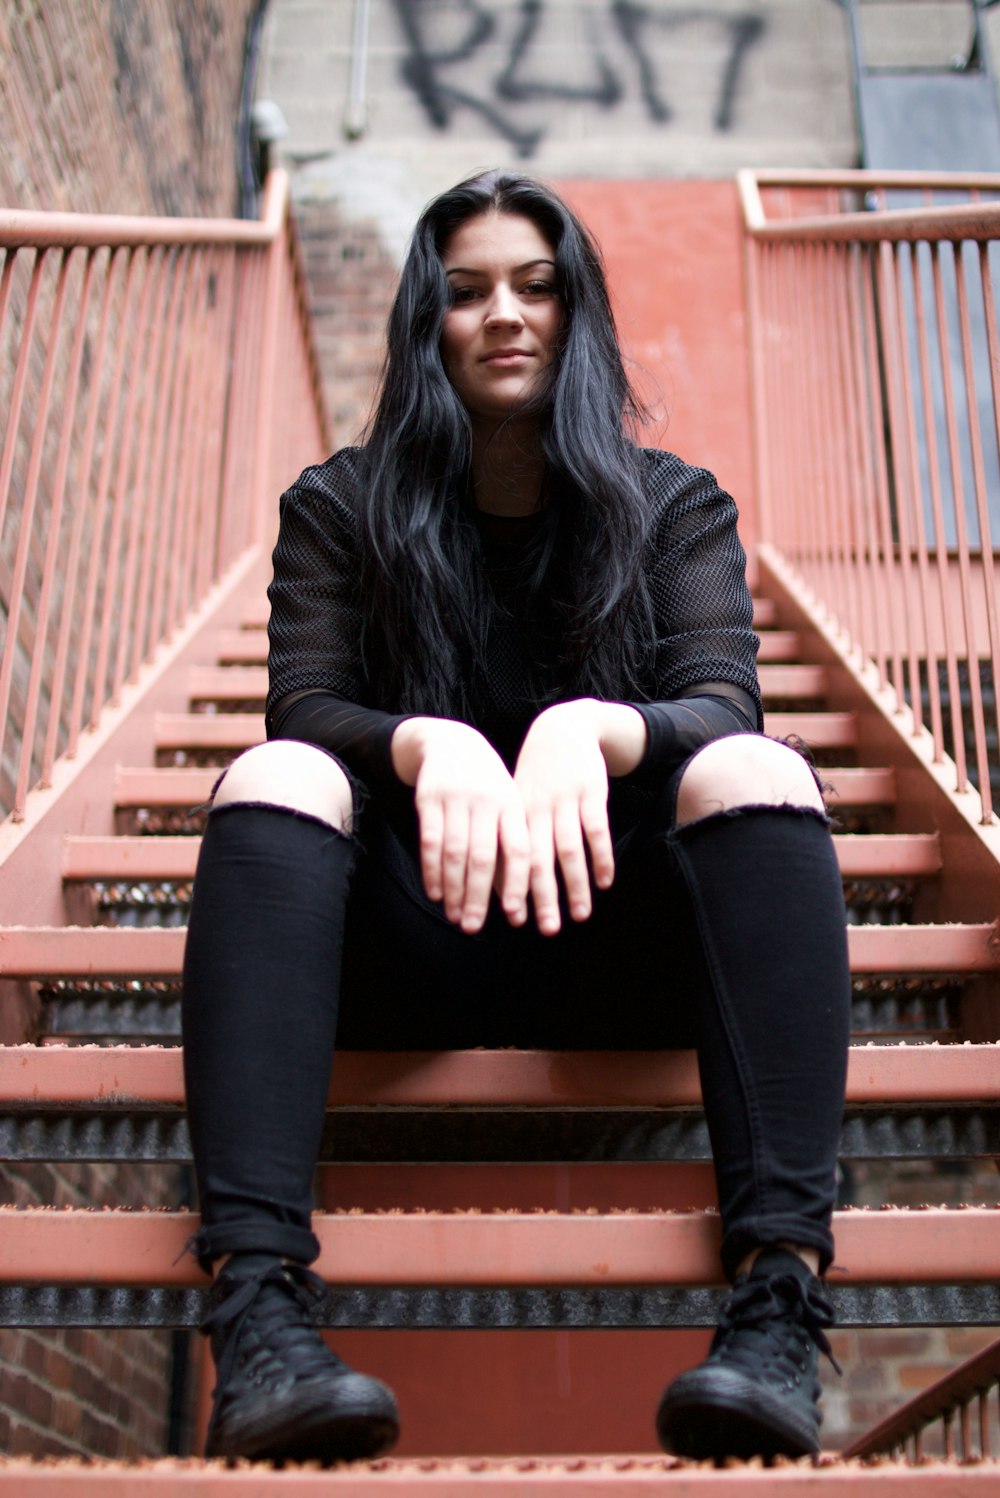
(595, 88)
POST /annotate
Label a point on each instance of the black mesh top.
(703, 670)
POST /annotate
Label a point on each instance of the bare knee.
(745, 770)
(297, 777)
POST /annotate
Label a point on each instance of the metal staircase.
(103, 1083)
(438, 1205)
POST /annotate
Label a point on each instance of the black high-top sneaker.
(281, 1394)
(757, 1392)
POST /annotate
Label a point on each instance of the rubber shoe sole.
(361, 1422)
(714, 1413)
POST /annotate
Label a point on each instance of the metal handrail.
(160, 386)
(960, 1401)
(876, 373)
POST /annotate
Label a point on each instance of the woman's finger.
(454, 856)
(480, 866)
(572, 858)
(431, 816)
(597, 831)
(544, 889)
(514, 863)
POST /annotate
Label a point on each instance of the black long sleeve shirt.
(703, 668)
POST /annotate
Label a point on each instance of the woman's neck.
(508, 471)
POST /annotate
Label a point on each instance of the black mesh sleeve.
(360, 736)
(696, 572)
(315, 626)
(713, 710)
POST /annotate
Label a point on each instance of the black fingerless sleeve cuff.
(359, 736)
(676, 729)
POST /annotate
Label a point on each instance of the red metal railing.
(956, 1418)
(877, 385)
(160, 386)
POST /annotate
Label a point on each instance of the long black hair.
(425, 599)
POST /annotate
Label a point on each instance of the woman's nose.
(503, 308)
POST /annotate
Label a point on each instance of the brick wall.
(114, 107)
(83, 1391)
(352, 279)
(140, 105)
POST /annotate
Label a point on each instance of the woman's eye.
(539, 288)
(461, 294)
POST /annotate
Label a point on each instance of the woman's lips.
(507, 356)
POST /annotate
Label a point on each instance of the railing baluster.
(145, 638)
(48, 574)
(894, 656)
(838, 440)
(140, 506)
(895, 363)
(178, 589)
(112, 592)
(233, 434)
(916, 517)
(28, 509)
(958, 502)
(985, 540)
(100, 503)
(870, 591)
(159, 609)
(70, 622)
(20, 379)
(943, 620)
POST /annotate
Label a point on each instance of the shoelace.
(281, 1300)
(766, 1308)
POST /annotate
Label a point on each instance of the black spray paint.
(428, 68)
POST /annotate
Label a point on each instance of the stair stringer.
(81, 798)
(968, 887)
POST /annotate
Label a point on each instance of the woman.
(515, 792)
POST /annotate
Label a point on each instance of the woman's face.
(501, 331)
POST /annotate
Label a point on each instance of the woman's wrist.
(620, 730)
(407, 748)
(622, 735)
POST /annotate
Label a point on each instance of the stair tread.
(909, 854)
(892, 1245)
(156, 951)
(596, 1476)
(129, 1076)
(190, 786)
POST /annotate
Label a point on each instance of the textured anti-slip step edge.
(152, 1076)
(190, 786)
(897, 855)
(511, 1477)
(74, 1246)
(249, 683)
(157, 952)
(173, 731)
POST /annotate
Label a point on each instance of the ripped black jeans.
(727, 934)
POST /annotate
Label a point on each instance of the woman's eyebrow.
(464, 270)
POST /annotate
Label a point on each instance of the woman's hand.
(562, 774)
(473, 830)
